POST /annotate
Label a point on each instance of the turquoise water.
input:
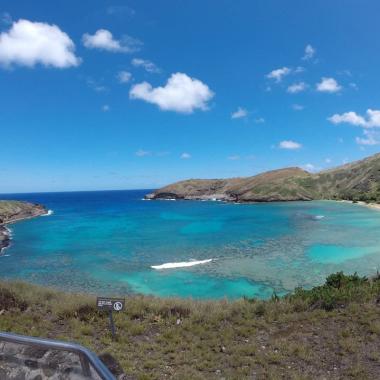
(106, 242)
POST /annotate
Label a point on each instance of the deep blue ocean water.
(106, 243)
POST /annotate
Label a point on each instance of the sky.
(138, 94)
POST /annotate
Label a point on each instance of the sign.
(110, 304)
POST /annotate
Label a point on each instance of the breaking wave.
(182, 264)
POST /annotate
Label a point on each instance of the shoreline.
(5, 238)
(373, 206)
(6, 233)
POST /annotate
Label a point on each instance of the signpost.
(110, 305)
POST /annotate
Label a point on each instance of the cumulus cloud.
(259, 120)
(29, 43)
(181, 93)
(371, 137)
(289, 144)
(348, 117)
(279, 74)
(185, 156)
(309, 53)
(124, 76)
(328, 85)
(240, 113)
(148, 66)
(370, 120)
(297, 87)
(103, 39)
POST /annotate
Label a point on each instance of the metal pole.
(112, 325)
(48, 344)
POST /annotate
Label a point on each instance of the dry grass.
(329, 332)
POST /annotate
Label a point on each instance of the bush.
(339, 280)
(338, 291)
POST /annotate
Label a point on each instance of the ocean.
(115, 243)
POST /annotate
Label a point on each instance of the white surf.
(182, 264)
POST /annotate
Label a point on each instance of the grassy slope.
(359, 181)
(330, 332)
(14, 210)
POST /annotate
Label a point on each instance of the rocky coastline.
(15, 211)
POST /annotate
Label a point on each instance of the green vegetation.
(14, 210)
(357, 181)
(331, 331)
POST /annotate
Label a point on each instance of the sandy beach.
(375, 206)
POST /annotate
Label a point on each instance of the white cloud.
(240, 113)
(233, 158)
(349, 118)
(297, 87)
(104, 40)
(96, 86)
(328, 85)
(309, 52)
(299, 69)
(106, 108)
(354, 86)
(29, 43)
(259, 120)
(289, 144)
(121, 10)
(371, 120)
(279, 74)
(345, 72)
(310, 167)
(371, 137)
(328, 160)
(181, 93)
(297, 107)
(185, 156)
(124, 76)
(142, 153)
(149, 66)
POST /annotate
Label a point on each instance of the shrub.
(339, 290)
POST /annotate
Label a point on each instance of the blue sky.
(138, 94)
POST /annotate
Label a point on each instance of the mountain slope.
(359, 180)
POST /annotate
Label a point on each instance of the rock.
(111, 363)
(13, 211)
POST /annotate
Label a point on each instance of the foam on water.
(182, 264)
(50, 212)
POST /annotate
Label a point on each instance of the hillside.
(329, 332)
(359, 181)
(13, 211)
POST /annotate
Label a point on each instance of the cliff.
(13, 211)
